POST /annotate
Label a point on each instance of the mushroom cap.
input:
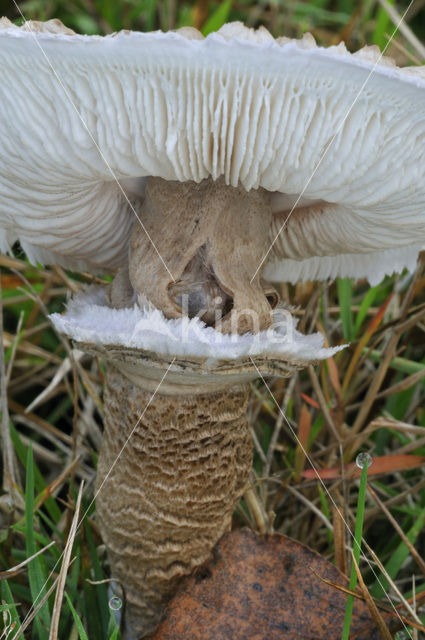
(82, 115)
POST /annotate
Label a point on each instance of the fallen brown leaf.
(263, 588)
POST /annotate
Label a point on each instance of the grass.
(357, 544)
(370, 397)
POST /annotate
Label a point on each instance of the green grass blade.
(365, 305)
(81, 631)
(394, 564)
(361, 500)
(344, 6)
(399, 364)
(100, 589)
(36, 568)
(39, 483)
(318, 14)
(113, 628)
(72, 585)
(345, 289)
(326, 511)
(13, 622)
(382, 26)
(218, 18)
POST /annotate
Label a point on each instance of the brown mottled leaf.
(263, 588)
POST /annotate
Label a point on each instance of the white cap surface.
(79, 112)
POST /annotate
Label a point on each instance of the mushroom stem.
(197, 252)
(170, 497)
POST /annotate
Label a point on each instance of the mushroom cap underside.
(341, 135)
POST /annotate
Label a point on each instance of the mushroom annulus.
(198, 170)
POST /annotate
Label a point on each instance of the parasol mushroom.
(194, 168)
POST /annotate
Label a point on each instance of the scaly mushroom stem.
(171, 494)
